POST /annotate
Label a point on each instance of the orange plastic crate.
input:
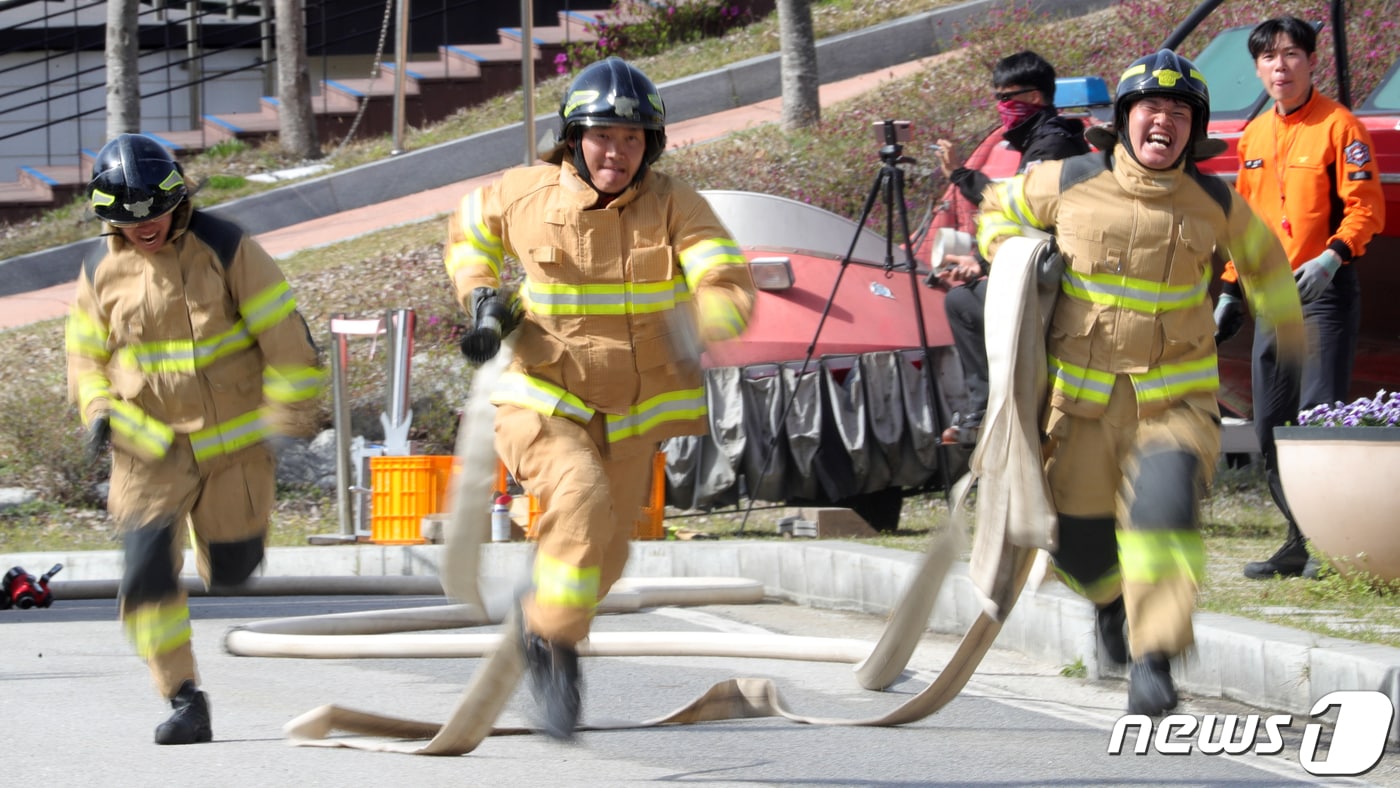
(653, 515)
(650, 526)
(404, 490)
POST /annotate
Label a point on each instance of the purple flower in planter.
(1383, 410)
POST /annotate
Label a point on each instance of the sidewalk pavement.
(24, 308)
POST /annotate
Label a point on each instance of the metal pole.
(266, 32)
(341, 420)
(400, 76)
(195, 71)
(527, 74)
(398, 416)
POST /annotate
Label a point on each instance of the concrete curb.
(736, 85)
(1264, 665)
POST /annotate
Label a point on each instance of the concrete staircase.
(461, 76)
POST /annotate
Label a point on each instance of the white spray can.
(500, 519)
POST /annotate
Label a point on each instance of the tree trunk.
(801, 102)
(123, 86)
(296, 122)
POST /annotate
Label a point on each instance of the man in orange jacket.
(1307, 167)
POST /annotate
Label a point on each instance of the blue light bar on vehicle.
(1075, 96)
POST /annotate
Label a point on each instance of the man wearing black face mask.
(1024, 87)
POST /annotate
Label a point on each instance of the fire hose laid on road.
(1014, 518)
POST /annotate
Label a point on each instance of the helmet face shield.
(135, 180)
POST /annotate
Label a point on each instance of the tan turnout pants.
(1148, 550)
(591, 496)
(224, 505)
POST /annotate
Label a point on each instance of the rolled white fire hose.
(360, 635)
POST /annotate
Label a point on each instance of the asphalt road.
(80, 711)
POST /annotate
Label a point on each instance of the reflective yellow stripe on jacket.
(268, 308)
(671, 406)
(480, 246)
(1138, 295)
(85, 337)
(291, 384)
(184, 355)
(1080, 383)
(721, 319)
(91, 385)
(1016, 213)
(1170, 382)
(698, 259)
(153, 438)
(540, 396)
(148, 436)
(233, 435)
(1164, 383)
(1274, 298)
(261, 312)
(631, 298)
(544, 397)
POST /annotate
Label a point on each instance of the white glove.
(1315, 275)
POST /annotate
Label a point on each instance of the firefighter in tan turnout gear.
(1133, 427)
(621, 263)
(185, 352)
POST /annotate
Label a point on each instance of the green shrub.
(225, 182)
(41, 440)
(224, 149)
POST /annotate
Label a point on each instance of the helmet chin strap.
(580, 164)
(582, 167)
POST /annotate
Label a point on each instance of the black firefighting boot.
(1288, 561)
(554, 681)
(1150, 687)
(190, 722)
(1110, 621)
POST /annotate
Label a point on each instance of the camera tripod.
(889, 185)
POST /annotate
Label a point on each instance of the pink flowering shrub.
(643, 28)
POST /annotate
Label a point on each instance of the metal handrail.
(65, 44)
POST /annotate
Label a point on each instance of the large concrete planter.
(1343, 485)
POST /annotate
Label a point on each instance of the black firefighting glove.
(1049, 266)
(1229, 313)
(492, 320)
(98, 440)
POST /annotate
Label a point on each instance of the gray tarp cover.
(855, 424)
